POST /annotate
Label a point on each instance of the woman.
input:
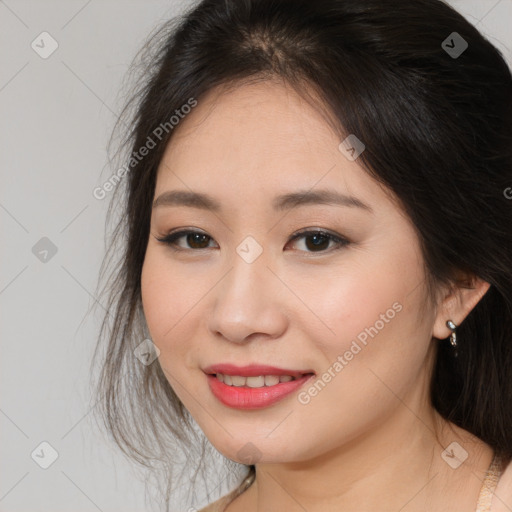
(317, 269)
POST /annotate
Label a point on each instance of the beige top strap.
(489, 485)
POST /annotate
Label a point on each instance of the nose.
(248, 303)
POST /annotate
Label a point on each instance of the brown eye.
(315, 240)
(193, 239)
(197, 240)
(318, 241)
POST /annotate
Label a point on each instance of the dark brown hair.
(438, 133)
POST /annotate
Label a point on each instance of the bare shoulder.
(502, 499)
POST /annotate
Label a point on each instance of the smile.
(253, 386)
(253, 382)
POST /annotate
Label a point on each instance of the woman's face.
(244, 292)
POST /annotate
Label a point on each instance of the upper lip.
(253, 370)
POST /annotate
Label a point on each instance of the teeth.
(253, 382)
(236, 380)
(271, 380)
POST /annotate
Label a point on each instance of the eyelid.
(172, 236)
(340, 240)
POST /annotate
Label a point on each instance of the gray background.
(57, 114)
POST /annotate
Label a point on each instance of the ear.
(457, 302)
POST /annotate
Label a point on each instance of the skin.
(370, 440)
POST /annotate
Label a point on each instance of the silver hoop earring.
(453, 335)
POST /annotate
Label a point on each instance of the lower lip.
(253, 398)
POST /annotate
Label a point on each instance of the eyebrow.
(280, 203)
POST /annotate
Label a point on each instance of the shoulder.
(502, 499)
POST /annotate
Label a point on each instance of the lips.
(241, 387)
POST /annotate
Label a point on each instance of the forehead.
(259, 137)
(269, 115)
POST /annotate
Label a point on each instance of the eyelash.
(171, 238)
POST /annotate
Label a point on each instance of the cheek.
(375, 322)
(171, 300)
(378, 331)
(164, 297)
(366, 294)
(371, 363)
(155, 292)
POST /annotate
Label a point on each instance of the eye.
(195, 239)
(320, 240)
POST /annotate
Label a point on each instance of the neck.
(396, 465)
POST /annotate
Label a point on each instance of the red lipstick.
(245, 397)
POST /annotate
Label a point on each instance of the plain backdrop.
(56, 117)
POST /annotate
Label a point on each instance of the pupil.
(318, 244)
(195, 239)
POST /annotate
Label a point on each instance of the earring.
(453, 335)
